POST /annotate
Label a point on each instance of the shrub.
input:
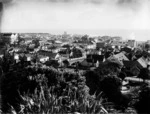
(144, 73)
(144, 100)
(94, 78)
(41, 89)
(92, 81)
(111, 86)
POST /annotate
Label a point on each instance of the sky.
(126, 18)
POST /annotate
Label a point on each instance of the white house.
(44, 59)
(14, 38)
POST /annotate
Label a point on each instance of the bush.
(111, 86)
(92, 81)
(144, 101)
(37, 88)
(144, 74)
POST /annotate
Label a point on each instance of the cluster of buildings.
(79, 50)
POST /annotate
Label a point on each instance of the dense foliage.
(35, 88)
(32, 87)
(106, 79)
(143, 104)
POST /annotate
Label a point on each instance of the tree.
(85, 38)
(147, 46)
(111, 86)
(144, 74)
(142, 106)
(36, 42)
(52, 47)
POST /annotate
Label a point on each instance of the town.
(109, 68)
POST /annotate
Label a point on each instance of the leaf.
(92, 109)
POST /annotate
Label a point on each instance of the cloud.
(84, 1)
(126, 4)
(117, 2)
(132, 4)
(127, 1)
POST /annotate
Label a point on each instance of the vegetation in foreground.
(28, 87)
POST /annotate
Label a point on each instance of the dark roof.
(46, 53)
(129, 64)
(146, 54)
(126, 49)
(100, 44)
(116, 52)
(52, 63)
(114, 61)
(94, 58)
(7, 34)
(29, 55)
(107, 54)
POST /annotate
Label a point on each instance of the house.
(59, 57)
(85, 63)
(16, 57)
(42, 43)
(57, 44)
(76, 60)
(135, 66)
(47, 53)
(28, 42)
(63, 52)
(132, 43)
(100, 45)
(93, 58)
(120, 57)
(6, 38)
(1, 56)
(116, 38)
(91, 52)
(118, 43)
(143, 62)
(91, 47)
(29, 57)
(44, 59)
(126, 49)
(53, 63)
(14, 38)
(107, 54)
